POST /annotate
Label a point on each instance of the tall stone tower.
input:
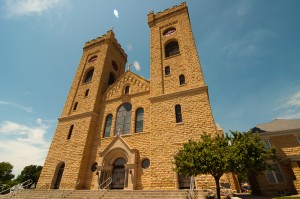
(180, 107)
(103, 61)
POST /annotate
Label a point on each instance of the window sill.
(180, 123)
(182, 84)
(172, 56)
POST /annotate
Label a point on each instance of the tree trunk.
(217, 180)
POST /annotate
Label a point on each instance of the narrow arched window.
(126, 91)
(89, 76)
(87, 92)
(70, 132)
(123, 119)
(139, 120)
(111, 79)
(107, 126)
(167, 70)
(178, 113)
(114, 65)
(181, 80)
(171, 48)
(75, 106)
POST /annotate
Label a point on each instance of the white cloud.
(136, 65)
(8, 103)
(23, 145)
(290, 108)
(29, 7)
(116, 13)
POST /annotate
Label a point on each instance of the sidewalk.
(248, 196)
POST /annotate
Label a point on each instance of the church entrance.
(118, 174)
(59, 176)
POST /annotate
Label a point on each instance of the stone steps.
(103, 194)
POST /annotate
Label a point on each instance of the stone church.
(121, 130)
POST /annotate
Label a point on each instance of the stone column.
(105, 172)
(130, 174)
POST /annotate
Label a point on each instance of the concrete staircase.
(103, 194)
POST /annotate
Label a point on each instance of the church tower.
(180, 108)
(68, 160)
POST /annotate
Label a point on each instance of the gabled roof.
(278, 125)
(137, 82)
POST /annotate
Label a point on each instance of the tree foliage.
(238, 153)
(31, 172)
(5, 172)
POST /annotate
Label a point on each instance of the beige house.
(284, 179)
(117, 126)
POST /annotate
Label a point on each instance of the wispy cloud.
(22, 145)
(290, 108)
(29, 7)
(8, 103)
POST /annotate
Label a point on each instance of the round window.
(94, 167)
(146, 163)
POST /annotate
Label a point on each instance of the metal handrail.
(108, 181)
(17, 187)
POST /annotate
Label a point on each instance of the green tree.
(239, 153)
(31, 172)
(208, 156)
(5, 174)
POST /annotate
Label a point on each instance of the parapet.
(109, 36)
(152, 18)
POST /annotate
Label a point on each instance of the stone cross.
(128, 65)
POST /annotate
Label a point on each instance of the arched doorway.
(118, 174)
(59, 176)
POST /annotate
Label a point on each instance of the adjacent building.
(284, 178)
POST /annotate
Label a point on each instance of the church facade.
(117, 126)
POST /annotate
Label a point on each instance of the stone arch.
(58, 174)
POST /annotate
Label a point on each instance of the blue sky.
(249, 52)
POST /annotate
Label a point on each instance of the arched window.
(114, 65)
(89, 76)
(75, 106)
(107, 125)
(181, 80)
(167, 70)
(59, 176)
(70, 131)
(111, 79)
(123, 119)
(139, 120)
(171, 48)
(126, 91)
(178, 113)
(87, 92)
(93, 59)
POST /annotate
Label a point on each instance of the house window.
(75, 106)
(274, 175)
(181, 80)
(107, 127)
(267, 144)
(89, 76)
(87, 92)
(70, 132)
(178, 113)
(111, 79)
(139, 120)
(123, 119)
(126, 91)
(167, 70)
(172, 48)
